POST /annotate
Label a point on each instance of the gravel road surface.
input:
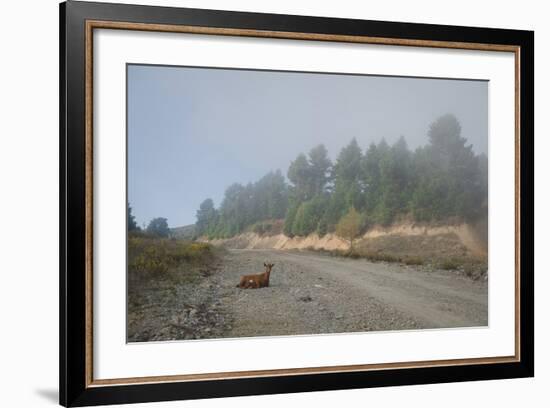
(309, 293)
(313, 293)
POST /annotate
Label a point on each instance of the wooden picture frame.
(78, 20)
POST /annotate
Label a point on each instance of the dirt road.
(312, 293)
(309, 293)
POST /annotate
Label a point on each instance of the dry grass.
(413, 260)
(151, 259)
(471, 267)
(449, 264)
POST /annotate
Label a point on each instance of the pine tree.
(319, 167)
(299, 174)
(347, 182)
(207, 216)
(132, 224)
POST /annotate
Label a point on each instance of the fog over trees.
(381, 184)
(378, 184)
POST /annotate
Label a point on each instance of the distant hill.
(185, 232)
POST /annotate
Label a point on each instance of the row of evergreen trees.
(243, 206)
(443, 180)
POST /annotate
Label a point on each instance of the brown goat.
(260, 280)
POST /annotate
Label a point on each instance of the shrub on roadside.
(413, 260)
(449, 264)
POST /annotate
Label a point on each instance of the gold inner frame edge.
(93, 24)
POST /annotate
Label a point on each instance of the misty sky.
(194, 131)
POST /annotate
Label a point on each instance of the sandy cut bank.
(464, 238)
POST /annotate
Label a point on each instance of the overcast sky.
(194, 131)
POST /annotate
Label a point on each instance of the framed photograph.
(257, 204)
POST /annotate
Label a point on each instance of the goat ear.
(265, 264)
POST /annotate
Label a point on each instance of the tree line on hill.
(443, 180)
(157, 227)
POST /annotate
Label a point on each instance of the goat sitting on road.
(260, 280)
